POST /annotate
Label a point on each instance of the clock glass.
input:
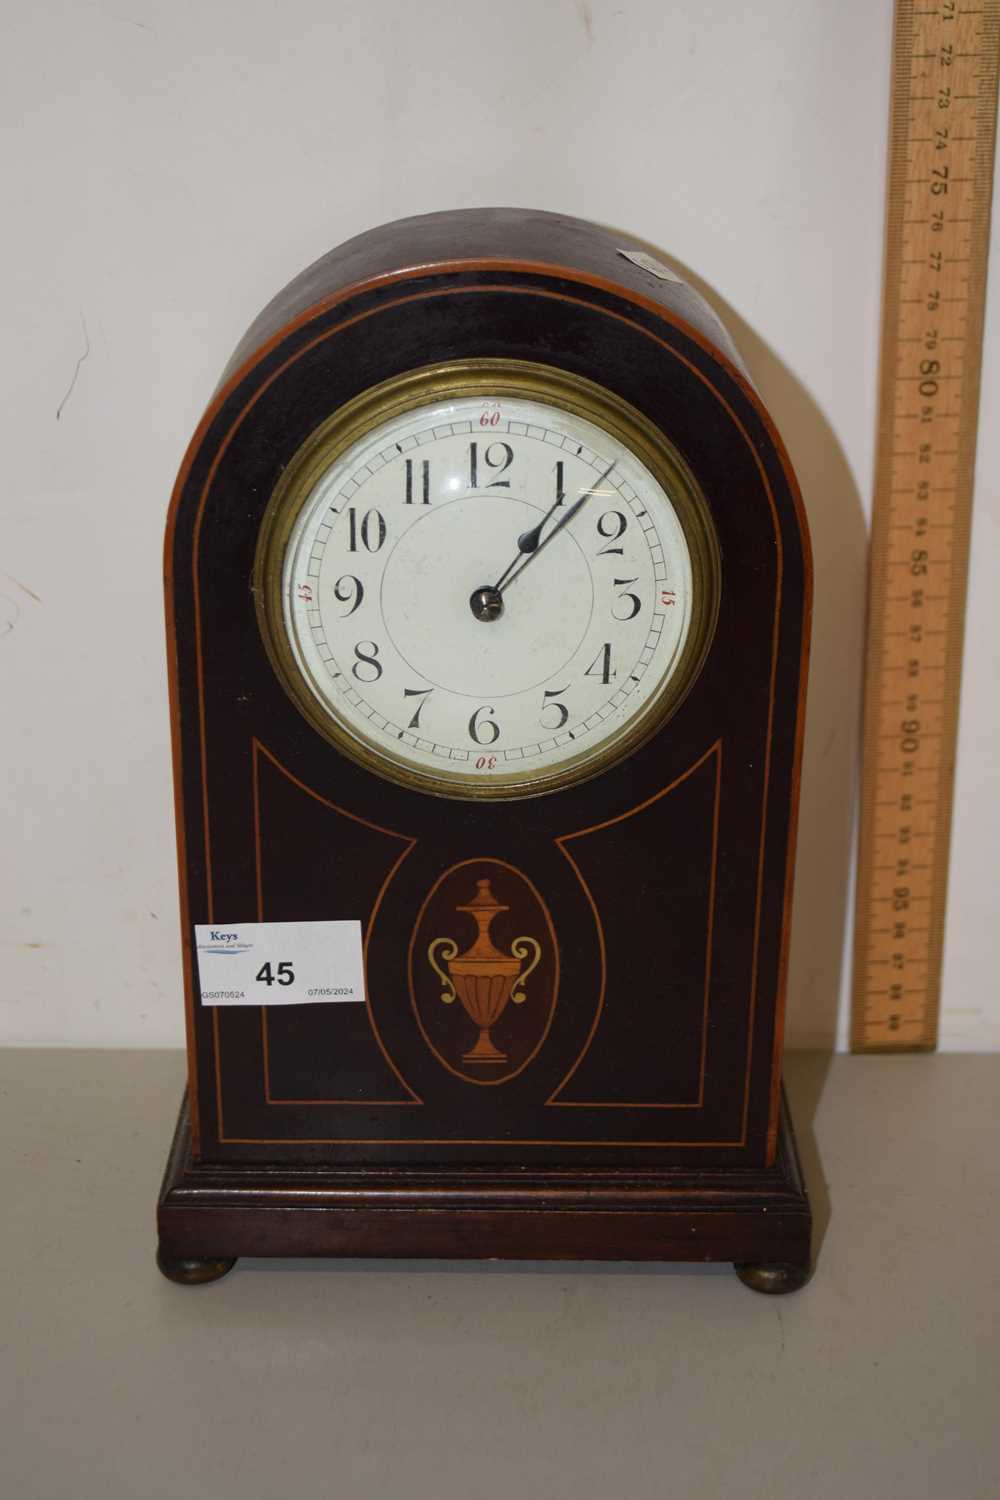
(487, 580)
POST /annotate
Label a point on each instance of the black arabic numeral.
(498, 456)
(355, 592)
(633, 608)
(425, 481)
(422, 694)
(367, 658)
(617, 525)
(476, 724)
(601, 665)
(560, 708)
(371, 530)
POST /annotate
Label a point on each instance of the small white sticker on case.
(648, 263)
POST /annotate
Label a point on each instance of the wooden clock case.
(638, 1112)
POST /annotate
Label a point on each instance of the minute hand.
(529, 542)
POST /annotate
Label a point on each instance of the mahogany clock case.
(658, 891)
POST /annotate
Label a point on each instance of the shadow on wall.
(823, 872)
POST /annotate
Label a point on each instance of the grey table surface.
(478, 1380)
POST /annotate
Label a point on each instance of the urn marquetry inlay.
(483, 978)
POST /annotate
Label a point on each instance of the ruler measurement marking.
(937, 227)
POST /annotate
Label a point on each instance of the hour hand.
(528, 540)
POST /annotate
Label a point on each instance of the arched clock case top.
(650, 897)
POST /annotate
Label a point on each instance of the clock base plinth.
(758, 1218)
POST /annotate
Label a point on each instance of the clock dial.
(489, 593)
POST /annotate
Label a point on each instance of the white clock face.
(487, 592)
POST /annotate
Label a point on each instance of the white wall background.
(169, 164)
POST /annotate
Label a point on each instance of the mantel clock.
(488, 595)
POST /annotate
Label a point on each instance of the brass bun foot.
(773, 1279)
(193, 1270)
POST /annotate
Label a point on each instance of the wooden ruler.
(941, 146)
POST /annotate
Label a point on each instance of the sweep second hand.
(529, 543)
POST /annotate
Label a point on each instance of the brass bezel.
(486, 377)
